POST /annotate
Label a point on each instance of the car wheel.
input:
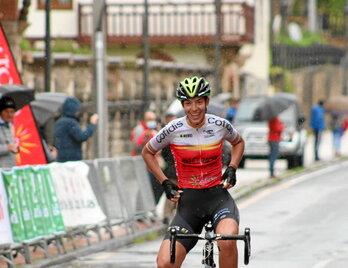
(292, 162)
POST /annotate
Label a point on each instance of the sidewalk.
(256, 174)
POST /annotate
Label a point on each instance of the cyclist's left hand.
(229, 177)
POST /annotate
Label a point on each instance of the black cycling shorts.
(198, 206)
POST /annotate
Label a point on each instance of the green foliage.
(25, 45)
(61, 45)
(308, 39)
(281, 79)
(331, 7)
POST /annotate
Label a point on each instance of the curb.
(287, 175)
(105, 245)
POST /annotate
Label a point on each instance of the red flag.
(8, 69)
(28, 139)
(26, 132)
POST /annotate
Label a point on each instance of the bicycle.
(210, 237)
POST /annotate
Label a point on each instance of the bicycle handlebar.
(210, 237)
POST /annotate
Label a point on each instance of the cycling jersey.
(197, 151)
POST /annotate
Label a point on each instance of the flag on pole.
(25, 129)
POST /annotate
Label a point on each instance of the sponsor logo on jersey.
(185, 135)
(220, 123)
(202, 160)
(208, 133)
(166, 131)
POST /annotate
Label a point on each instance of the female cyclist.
(196, 141)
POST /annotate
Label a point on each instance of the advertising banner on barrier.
(5, 226)
(33, 205)
(77, 200)
(14, 205)
(52, 200)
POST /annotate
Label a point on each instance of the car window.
(246, 110)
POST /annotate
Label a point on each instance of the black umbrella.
(47, 105)
(22, 95)
(272, 106)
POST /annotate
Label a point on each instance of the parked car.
(294, 136)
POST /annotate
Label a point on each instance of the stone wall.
(73, 74)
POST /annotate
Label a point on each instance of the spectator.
(232, 111)
(318, 124)
(68, 134)
(337, 132)
(8, 147)
(140, 135)
(274, 136)
(148, 121)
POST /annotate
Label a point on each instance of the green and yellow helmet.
(192, 87)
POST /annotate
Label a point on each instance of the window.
(56, 4)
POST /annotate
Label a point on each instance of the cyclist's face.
(195, 109)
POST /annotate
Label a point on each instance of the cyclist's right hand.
(170, 189)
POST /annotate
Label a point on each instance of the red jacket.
(275, 129)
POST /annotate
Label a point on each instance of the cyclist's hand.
(170, 189)
(229, 178)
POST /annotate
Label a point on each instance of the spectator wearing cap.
(8, 146)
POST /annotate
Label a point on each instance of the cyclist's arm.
(237, 151)
(152, 164)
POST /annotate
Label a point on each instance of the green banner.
(26, 202)
(33, 204)
(14, 205)
(53, 202)
(35, 195)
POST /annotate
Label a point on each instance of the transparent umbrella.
(272, 106)
(47, 105)
(337, 104)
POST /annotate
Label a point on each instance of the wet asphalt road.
(300, 222)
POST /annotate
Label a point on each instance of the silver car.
(255, 134)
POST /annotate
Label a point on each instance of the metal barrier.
(124, 193)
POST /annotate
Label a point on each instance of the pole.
(100, 85)
(312, 15)
(345, 59)
(48, 46)
(146, 57)
(217, 47)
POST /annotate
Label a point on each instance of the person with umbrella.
(318, 124)
(274, 136)
(8, 147)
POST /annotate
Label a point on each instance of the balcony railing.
(184, 23)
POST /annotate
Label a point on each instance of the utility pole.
(344, 62)
(48, 46)
(100, 85)
(146, 57)
(217, 47)
(312, 15)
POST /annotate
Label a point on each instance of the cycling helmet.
(192, 87)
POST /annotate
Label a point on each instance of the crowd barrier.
(43, 206)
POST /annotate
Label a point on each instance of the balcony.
(178, 24)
